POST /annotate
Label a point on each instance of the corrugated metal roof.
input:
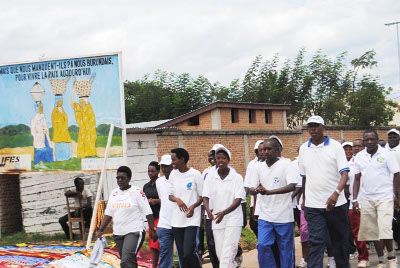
(148, 124)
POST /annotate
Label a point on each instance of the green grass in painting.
(71, 164)
(22, 140)
(102, 141)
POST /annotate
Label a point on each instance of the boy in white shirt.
(186, 191)
(275, 179)
(374, 167)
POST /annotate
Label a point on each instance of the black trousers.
(186, 245)
(328, 229)
(87, 216)
(211, 244)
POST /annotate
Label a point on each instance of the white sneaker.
(381, 265)
(363, 264)
(302, 264)
(354, 255)
(392, 263)
(331, 262)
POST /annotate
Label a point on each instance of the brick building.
(235, 125)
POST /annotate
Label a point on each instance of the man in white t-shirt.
(164, 229)
(82, 194)
(354, 216)
(374, 169)
(275, 179)
(186, 191)
(258, 150)
(324, 169)
(393, 137)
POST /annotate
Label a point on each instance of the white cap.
(347, 143)
(258, 144)
(222, 148)
(316, 119)
(166, 160)
(393, 130)
(216, 146)
(277, 139)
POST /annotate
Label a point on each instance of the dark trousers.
(328, 229)
(352, 244)
(200, 249)
(296, 214)
(211, 244)
(87, 216)
(128, 246)
(186, 244)
(253, 223)
(396, 226)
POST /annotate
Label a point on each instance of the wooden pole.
(99, 187)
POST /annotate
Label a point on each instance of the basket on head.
(59, 86)
(83, 87)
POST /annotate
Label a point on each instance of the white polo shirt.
(188, 186)
(163, 187)
(222, 193)
(275, 208)
(376, 170)
(127, 209)
(352, 174)
(322, 165)
(249, 176)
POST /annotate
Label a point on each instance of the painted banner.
(56, 114)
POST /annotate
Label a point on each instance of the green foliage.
(104, 129)
(13, 130)
(323, 86)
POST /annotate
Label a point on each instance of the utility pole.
(398, 42)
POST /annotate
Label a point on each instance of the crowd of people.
(344, 197)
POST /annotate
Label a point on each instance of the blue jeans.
(284, 234)
(328, 229)
(166, 239)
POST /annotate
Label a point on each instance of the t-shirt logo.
(189, 186)
(276, 180)
(380, 159)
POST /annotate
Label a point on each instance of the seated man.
(83, 194)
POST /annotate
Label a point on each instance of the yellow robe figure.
(86, 121)
(59, 120)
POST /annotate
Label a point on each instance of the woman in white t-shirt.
(126, 206)
(225, 189)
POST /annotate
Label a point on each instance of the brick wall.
(10, 204)
(277, 121)
(204, 123)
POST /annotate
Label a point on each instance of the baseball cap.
(222, 148)
(393, 130)
(258, 144)
(277, 139)
(347, 143)
(216, 146)
(316, 119)
(166, 160)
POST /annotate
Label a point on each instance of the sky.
(217, 39)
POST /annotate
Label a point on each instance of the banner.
(56, 114)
